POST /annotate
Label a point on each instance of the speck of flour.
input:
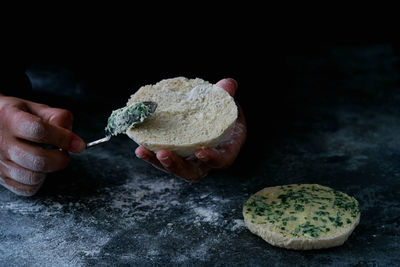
(206, 215)
(238, 224)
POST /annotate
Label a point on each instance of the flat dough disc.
(191, 113)
(302, 216)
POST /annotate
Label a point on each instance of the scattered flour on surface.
(23, 207)
(206, 215)
(80, 227)
(47, 238)
(238, 224)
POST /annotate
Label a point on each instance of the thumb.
(229, 85)
(54, 116)
(62, 119)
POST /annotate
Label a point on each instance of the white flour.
(31, 128)
(25, 159)
(68, 229)
(238, 224)
(206, 215)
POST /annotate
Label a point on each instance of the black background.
(110, 55)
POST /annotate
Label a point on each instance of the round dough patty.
(191, 113)
(302, 216)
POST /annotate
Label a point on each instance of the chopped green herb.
(127, 117)
(303, 210)
(298, 207)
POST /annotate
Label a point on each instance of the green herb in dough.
(309, 211)
(127, 117)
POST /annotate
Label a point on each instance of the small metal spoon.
(133, 120)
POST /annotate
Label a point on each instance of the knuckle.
(32, 177)
(62, 117)
(18, 155)
(39, 159)
(39, 162)
(45, 162)
(36, 178)
(33, 128)
(19, 189)
(25, 176)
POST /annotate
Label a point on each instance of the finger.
(20, 174)
(189, 170)
(226, 152)
(19, 188)
(214, 157)
(218, 158)
(168, 161)
(31, 127)
(54, 116)
(36, 158)
(229, 85)
(149, 156)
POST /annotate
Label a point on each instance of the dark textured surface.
(110, 208)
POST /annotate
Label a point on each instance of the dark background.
(279, 75)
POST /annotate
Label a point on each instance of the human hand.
(197, 166)
(24, 126)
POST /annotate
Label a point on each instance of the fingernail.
(139, 154)
(77, 145)
(229, 85)
(166, 161)
(231, 81)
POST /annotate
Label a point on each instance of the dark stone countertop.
(109, 208)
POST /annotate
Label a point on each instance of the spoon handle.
(102, 140)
